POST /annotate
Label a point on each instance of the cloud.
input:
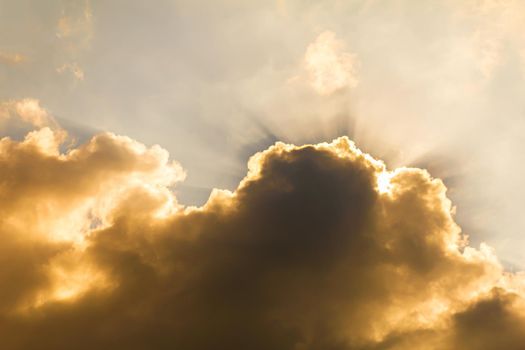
(50, 201)
(76, 25)
(27, 111)
(12, 58)
(494, 38)
(75, 29)
(319, 247)
(72, 68)
(329, 66)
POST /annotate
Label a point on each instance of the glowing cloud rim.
(92, 205)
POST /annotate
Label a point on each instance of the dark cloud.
(496, 322)
(320, 247)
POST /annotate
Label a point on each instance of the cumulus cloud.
(26, 111)
(319, 247)
(329, 66)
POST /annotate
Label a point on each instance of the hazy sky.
(304, 248)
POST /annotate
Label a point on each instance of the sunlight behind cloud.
(404, 232)
(102, 242)
(383, 182)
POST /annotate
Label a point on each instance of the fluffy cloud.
(26, 111)
(319, 247)
(330, 68)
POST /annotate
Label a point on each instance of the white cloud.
(330, 67)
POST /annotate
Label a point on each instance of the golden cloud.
(319, 247)
(27, 111)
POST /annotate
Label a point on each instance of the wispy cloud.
(72, 68)
(12, 58)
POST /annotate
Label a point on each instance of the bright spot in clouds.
(320, 245)
(100, 242)
(383, 182)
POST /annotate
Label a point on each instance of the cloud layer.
(319, 247)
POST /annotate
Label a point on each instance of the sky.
(274, 174)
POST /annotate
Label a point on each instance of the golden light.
(383, 182)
